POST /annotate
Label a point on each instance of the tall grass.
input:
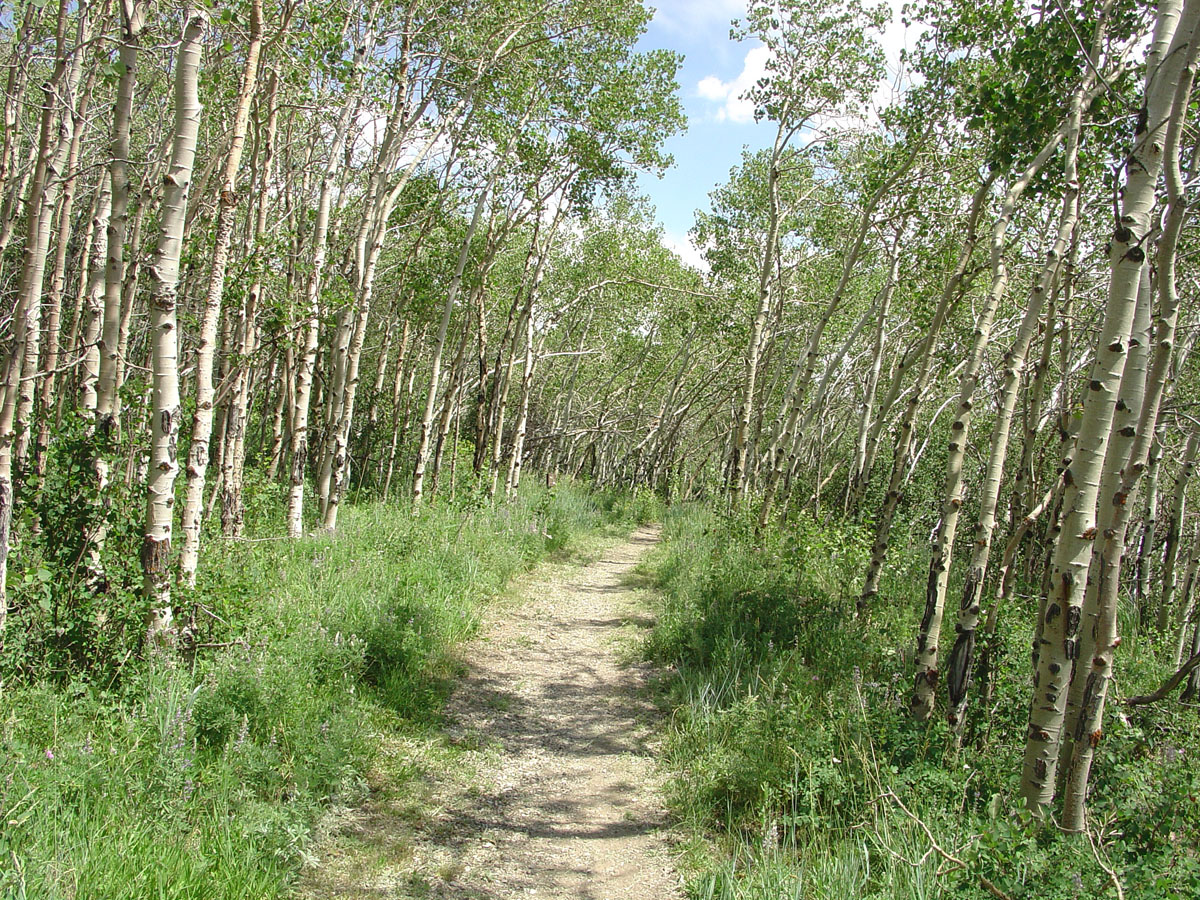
(797, 771)
(201, 779)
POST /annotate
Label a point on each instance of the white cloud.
(735, 107)
(895, 38)
(685, 250)
(712, 88)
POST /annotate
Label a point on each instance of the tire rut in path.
(556, 794)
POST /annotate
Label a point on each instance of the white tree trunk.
(950, 293)
(925, 691)
(308, 358)
(227, 202)
(164, 336)
(1059, 642)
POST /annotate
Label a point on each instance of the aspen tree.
(900, 460)
(93, 306)
(450, 407)
(54, 142)
(334, 471)
(233, 461)
(860, 469)
(1169, 575)
(308, 357)
(960, 662)
(823, 61)
(1095, 612)
(12, 190)
(924, 695)
(77, 116)
(1024, 481)
(439, 346)
(1149, 523)
(1187, 602)
(21, 364)
(164, 336)
(133, 23)
(791, 429)
(227, 203)
(1175, 28)
(518, 444)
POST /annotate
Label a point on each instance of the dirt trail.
(548, 788)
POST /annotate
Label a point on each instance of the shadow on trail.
(566, 806)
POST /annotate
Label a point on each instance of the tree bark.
(227, 203)
(164, 341)
(950, 294)
(1059, 642)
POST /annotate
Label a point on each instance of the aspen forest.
(390, 507)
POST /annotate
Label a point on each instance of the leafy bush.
(794, 754)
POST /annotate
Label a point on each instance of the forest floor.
(541, 782)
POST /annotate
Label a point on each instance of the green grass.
(202, 778)
(797, 771)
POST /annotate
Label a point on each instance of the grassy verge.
(202, 779)
(797, 771)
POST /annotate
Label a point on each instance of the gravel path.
(549, 788)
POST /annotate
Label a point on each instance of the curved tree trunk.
(1059, 642)
(950, 294)
(961, 660)
(929, 634)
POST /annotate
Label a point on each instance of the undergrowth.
(202, 778)
(797, 771)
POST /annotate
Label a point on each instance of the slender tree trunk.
(133, 22)
(522, 423)
(54, 142)
(227, 203)
(1059, 643)
(164, 274)
(1187, 598)
(234, 460)
(739, 475)
(1191, 690)
(340, 445)
(397, 388)
(93, 307)
(440, 346)
(308, 358)
(859, 472)
(1149, 521)
(1170, 564)
(449, 405)
(1095, 614)
(960, 661)
(49, 378)
(950, 294)
(25, 322)
(13, 192)
(789, 434)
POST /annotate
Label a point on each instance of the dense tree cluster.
(388, 250)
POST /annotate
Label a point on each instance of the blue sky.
(715, 72)
(699, 29)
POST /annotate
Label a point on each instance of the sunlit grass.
(201, 778)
